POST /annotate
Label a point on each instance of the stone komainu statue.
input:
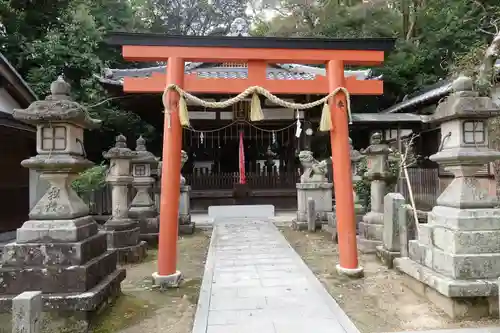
(314, 171)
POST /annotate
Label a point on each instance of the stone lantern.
(122, 231)
(185, 224)
(143, 207)
(356, 157)
(372, 226)
(59, 250)
(456, 259)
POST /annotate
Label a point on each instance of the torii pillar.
(257, 54)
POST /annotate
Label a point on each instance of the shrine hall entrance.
(270, 163)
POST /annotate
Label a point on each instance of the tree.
(68, 40)
(189, 17)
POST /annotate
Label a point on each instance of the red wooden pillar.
(167, 274)
(339, 136)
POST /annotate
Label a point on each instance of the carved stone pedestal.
(321, 193)
(123, 233)
(455, 261)
(59, 251)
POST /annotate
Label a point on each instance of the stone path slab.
(255, 282)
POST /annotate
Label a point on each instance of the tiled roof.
(278, 72)
(428, 96)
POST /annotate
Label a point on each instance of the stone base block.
(57, 278)
(41, 231)
(149, 230)
(71, 312)
(184, 218)
(374, 218)
(386, 257)
(458, 298)
(299, 225)
(367, 245)
(331, 230)
(457, 266)
(186, 229)
(132, 254)
(123, 238)
(167, 281)
(371, 231)
(62, 254)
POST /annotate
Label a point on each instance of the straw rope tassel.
(325, 124)
(256, 113)
(183, 112)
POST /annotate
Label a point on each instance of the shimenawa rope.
(256, 113)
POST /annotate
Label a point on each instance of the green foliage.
(92, 179)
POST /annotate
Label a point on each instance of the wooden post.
(167, 274)
(342, 175)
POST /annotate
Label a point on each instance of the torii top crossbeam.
(257, 53)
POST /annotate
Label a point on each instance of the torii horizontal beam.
(196, 85)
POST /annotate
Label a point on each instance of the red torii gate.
(257, 53)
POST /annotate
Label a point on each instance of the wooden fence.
(424, 185)
(100, 201)
(256, 180)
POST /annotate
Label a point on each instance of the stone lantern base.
(69, 262)
(371, 231)
(321, 193)
(455, 261)
(123, 237)
(186, 226)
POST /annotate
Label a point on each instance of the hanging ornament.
(202, 137)
(298, 131)
(274, 137)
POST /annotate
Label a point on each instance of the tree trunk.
(405, 9)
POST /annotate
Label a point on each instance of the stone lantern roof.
(143, 155)
(120, 150)
(57, 107)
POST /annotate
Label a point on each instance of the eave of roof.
(367, 44)
(17, 81)
(7, 120)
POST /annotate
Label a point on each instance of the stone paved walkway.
(255, 282)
